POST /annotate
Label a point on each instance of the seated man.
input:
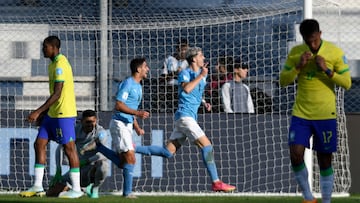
(235, 95)
(93, 166)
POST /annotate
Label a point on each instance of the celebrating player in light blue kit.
(318, 66)
(128, 98)
(192, 81)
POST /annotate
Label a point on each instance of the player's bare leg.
(40, 152)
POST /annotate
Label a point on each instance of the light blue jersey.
(189, 102)
(130, 93)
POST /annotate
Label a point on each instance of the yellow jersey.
(316, 99)
(60, 71)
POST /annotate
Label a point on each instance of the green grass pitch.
(172, 199)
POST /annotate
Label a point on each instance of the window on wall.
(19, 50)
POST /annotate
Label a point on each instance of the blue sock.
(153, 150)
(208, 159)
(108, 153)
(127, 178)
(301, 176)
(326, 184)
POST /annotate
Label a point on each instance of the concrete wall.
(353, 121)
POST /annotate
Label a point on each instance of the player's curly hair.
(53, 40)
(308, 27)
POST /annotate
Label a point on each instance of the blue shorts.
(324, 131)
(60, 130)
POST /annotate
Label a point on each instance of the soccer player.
(123, 122)
(318, 66)
(59, 121)
(192, 82)
(93, 165)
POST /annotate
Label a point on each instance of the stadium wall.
(353, 128)
(160, 176)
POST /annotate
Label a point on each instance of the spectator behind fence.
(175, 63)
(222, 74)
(235, 95)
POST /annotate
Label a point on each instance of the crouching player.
(93, 166)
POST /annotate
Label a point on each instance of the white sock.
(39, 175)
(75, 180)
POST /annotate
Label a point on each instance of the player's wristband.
(328, 72)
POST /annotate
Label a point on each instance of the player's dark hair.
(88, 113)
(53, 40)
(136, 63)
(308, 27)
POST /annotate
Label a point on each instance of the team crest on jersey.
(345, 59)
(58, 71)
